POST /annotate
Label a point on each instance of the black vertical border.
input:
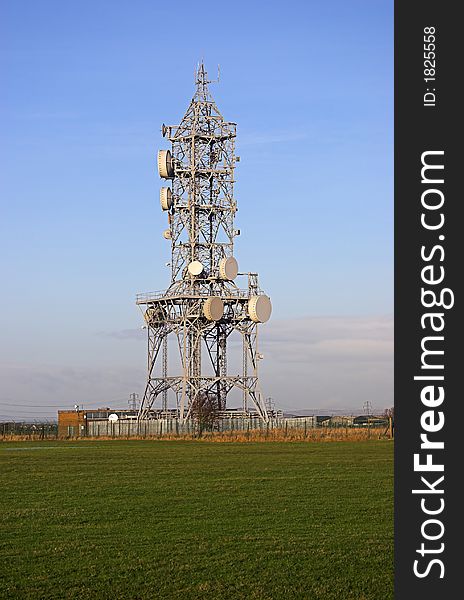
(419, 129)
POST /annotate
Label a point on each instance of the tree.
(205, 411)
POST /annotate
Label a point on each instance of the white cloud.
(334, 362)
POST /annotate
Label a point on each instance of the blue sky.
(86, 88)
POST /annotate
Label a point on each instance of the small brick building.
(71, 423)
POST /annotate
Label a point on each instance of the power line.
(32, 412)
(61, 405)
(31, 418)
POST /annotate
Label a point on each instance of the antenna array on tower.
(203, 305)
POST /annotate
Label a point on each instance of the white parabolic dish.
(213, 308)
(228, 268)
(165, 198)
(113, 417)
(259, 309)
(165, 169)
(195, 267)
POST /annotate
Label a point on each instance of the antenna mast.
(203, 305)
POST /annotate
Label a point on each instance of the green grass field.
(196, 520)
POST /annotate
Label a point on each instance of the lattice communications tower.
(203, 305)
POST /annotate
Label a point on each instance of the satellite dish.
(228, 268)
(165, 198)
(113, 418)
(213, 308)
(195, 268)
(165, 169)
(259, 309)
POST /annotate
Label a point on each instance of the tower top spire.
(202, 81)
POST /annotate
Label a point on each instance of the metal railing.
(230, 293)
